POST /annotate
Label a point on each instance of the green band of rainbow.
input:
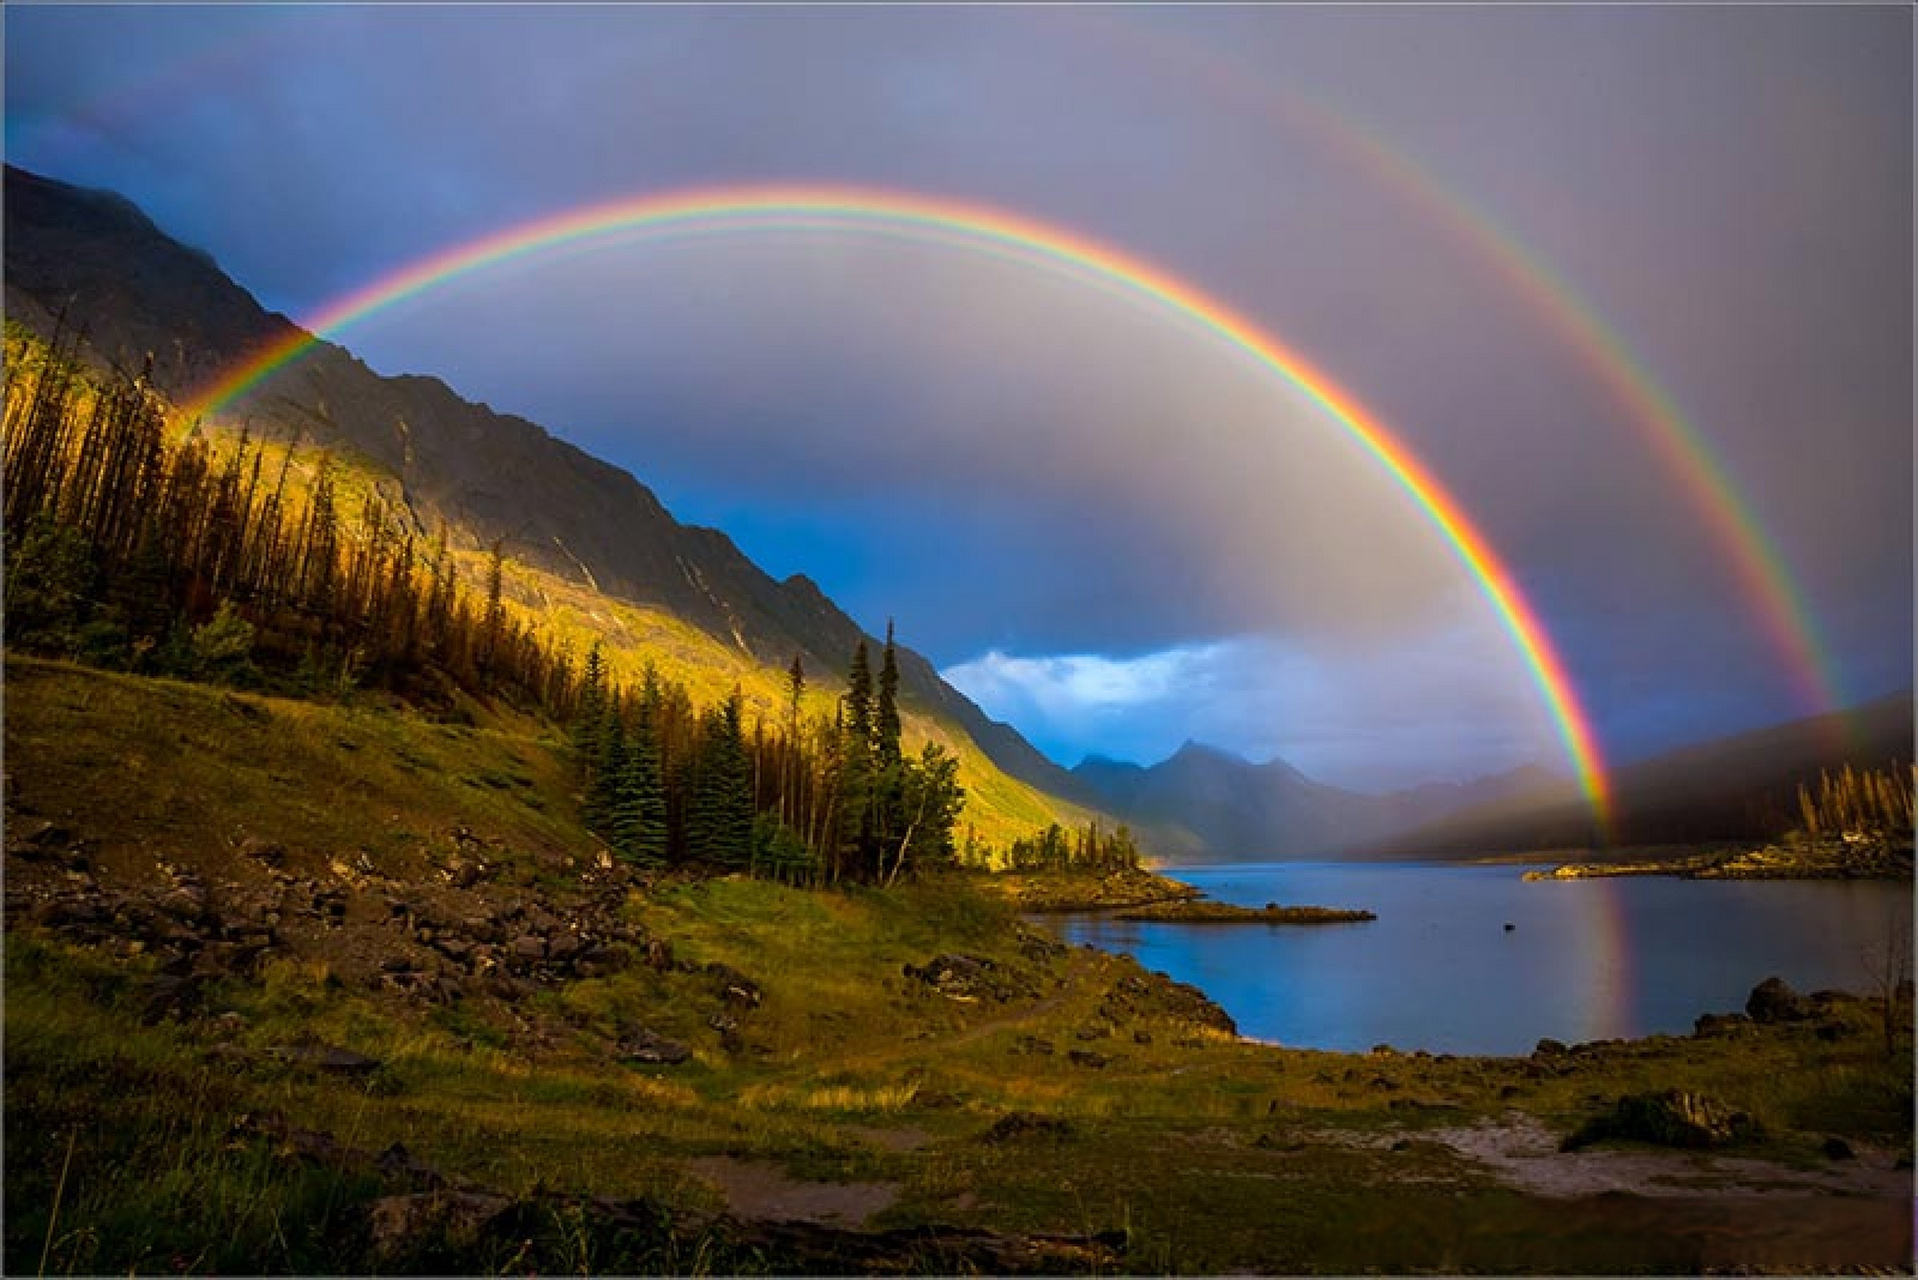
(764, 208)
(1765, 578)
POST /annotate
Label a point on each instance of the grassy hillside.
(299, 988)
(566, 615)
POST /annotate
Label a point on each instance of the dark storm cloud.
(1728, 188)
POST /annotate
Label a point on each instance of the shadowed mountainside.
(1740, 787)
(92, 261)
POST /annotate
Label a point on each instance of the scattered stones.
(1156, 995)
(959, 977)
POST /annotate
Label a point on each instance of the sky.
(1632, 283)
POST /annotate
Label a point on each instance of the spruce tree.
(609, 765)
(720, 820)
(646, 784)
(856, 765)
(886, 723)
(591, 711)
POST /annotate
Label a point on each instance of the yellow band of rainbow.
(778, 207)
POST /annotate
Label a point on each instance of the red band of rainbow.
(997, 231)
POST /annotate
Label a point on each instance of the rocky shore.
(1854, 856)
(1047, 891)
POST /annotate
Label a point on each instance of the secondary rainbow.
(997, 231)
(1765, 577)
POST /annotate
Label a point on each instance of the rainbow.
(1765, 577)
(709, 211)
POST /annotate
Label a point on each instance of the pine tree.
(856, 765)
(609, 767)
(645, 783)
(592, 705)
(859, 695)
(720, 820)
(886, 724)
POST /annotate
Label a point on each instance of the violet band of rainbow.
(1766, 582)
(902, 213)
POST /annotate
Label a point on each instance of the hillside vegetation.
(295, 987)
(256, 564)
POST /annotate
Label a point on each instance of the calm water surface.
(1586, 959)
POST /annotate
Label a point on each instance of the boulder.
(1674, 1118)
(401, 1225)
(1773, 1001)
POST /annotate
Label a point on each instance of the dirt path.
(758, 1189)
(1524, 1154)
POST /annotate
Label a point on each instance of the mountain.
(93, 263)
(1738, 787)
(1206, 802)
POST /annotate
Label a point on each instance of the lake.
(1586, 959)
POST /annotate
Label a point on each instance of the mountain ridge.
(93, 261)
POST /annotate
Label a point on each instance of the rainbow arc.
(995, 231)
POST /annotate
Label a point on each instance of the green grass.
(1212, 1154)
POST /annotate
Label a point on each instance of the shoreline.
(1854, 857)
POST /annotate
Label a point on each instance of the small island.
(1206, 911)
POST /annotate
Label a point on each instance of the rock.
(396, 1225)
(49, 837)
(397, 1162)
(1837, 1149)
(735, 988)
(1674, 1118)
(1032, 1045)
(171, 995)
(1087, 1058)
(597, 962)
(960, 977)
(1549, 1048)
(326, 1057)
(1026, 1124)
(637, 1044)
(529, 949)
(1773, 1001)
